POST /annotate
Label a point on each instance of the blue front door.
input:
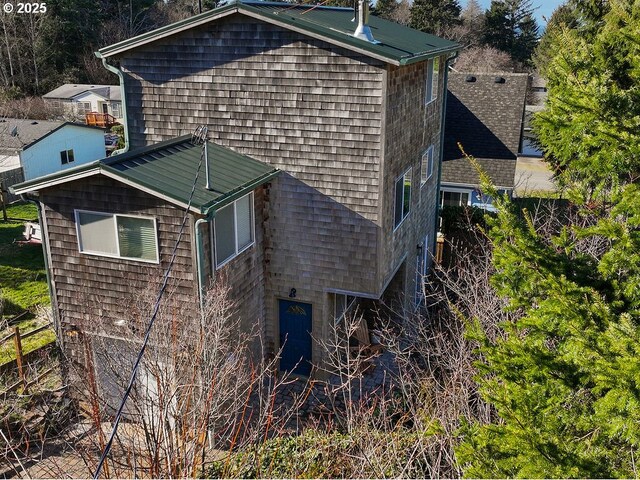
(295, 337)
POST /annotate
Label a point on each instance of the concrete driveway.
(532, 174)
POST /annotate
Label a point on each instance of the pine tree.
(510, 27)
(564, 378)
(385, 8)
(590, 128)
(435, 16)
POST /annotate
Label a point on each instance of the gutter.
(434, 244)
(47, 263)
(118, 72)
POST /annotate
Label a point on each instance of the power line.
(198, 137)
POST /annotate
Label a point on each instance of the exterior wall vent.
(470, 78)
(363, 31)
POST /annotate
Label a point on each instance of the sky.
(543, 8)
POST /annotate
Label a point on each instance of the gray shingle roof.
(70, 90)
(485, 116)
(27, 130)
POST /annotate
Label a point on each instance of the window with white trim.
(402, 198)
(426, 165)
(343, 304)
(433, 76)
(66, 156)
(83, 107)
(116, 109)
(454, 198)
(233, 229)
(119, 236)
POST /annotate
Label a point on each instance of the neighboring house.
(42, 147)
(80, 99)
(324, 155)
(485, 116)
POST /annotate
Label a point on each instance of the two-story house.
(325, 144)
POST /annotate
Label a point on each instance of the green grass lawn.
(23, 280)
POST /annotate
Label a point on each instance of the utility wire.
(199, 137)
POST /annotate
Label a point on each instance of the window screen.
(244, 222)
(97, 233)
(137, 238)
(225, 234)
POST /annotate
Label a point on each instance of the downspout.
(46, 253)
(118, 72)
(434, 244)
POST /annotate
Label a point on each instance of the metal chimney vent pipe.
(363, 32)
(206, 165)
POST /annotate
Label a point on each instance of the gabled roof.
(397, 44)
(70, 90)
(485, 114)
(28, 131)
(167, 170)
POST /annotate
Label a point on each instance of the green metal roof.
(397, 44)
(167, 169)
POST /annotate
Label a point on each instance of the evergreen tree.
(435, 16)
(563, 17)
(385, 8)
(472, 19)
(510, 27)
(564, 378)
(591, 126)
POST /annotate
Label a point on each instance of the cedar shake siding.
(410, 128)
(299, 104)
(92, 291)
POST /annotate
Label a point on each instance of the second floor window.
(233, 229)
(426, 165)
(66, 156)
(402, 198)
(433, 76)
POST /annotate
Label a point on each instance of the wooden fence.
(17, 338)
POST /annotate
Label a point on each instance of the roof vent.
(14, 131)
(499, 80)
(363, 32)
(34, 123)
(470, 78)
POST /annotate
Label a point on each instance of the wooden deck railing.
(103, 120)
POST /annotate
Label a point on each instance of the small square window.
(66, 156)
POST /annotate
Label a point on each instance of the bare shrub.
(200, 392)
(484, 60)
(29, 107)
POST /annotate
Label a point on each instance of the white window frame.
(431, 93)
(117, 243)
(235, 233)
(402, 177)
(66, 156)
(454, 190)
(82, 109)
(426, 174)
(349, 302)
(116, 109)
